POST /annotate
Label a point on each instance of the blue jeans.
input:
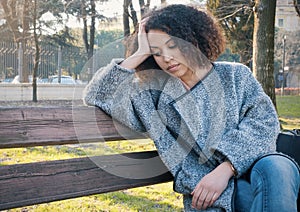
(273, 186)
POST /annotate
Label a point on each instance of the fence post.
(59, 64)
(20, 61)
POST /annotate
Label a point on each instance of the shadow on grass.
(139, 203)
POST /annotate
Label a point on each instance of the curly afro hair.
(190, 24)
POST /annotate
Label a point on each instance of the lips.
(172, 68)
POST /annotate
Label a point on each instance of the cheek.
(160, 62)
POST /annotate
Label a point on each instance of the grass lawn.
(160, 197)
(150, 198)
(288, 108)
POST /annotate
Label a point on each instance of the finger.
(213, 199)
(199, 198)
(207, 201)
(196, 194)
(144, 20)
(202, 200)
(143, 23)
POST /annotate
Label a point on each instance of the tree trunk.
(144, 7)
(92, 30)
(133, 16)
(10, 15)
(263, 45)
(37, 54)
(13, 18)
(126, 18)
(25, 36)
(297, 6)
(85, 27)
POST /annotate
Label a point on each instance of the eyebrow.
(156, 47)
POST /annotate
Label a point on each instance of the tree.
(37, 52)
(144, 8)
(236, 18)
(91, 11)
(263, 45)
(26, 27)
(297, 6)
(16, 14)
(286, 43)
(85, 11)
(126, 15)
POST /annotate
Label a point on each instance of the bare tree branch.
(232, 14)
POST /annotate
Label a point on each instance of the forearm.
(134, 60)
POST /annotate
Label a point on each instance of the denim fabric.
(273, 186)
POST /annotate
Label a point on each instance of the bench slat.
(40, 126)
(34, 183)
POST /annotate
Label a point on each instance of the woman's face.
(167, 54)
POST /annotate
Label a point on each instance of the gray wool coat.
(226, 116)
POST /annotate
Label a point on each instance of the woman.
(212, 124)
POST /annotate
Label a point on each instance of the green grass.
(288, 108)
(154, 198)
(151, 198)
(160, 197)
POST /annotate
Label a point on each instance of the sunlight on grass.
(150, 198)
(47, 153)
(153, 198)
(38, 154)
(288, 108)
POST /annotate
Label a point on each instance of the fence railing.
(52, 58)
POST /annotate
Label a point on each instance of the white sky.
(113, 7)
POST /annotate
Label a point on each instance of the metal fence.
(52, 58)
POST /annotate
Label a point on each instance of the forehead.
(157, 37)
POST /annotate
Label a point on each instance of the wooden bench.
(41, 182)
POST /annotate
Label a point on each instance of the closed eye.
(157, 54)
(172, 46)
(155, 51)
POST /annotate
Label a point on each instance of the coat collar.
(189, 105)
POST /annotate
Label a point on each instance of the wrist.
(233, 170)
(225, 170)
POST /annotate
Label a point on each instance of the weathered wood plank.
(34, 183)
(39, 126)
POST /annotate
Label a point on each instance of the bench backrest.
(40, 182)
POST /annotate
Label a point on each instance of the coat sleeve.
(111, 89)
(258, 127)
(114, 90)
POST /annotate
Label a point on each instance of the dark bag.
(289, 143)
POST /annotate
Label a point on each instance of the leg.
(275, 184)
(243, 196)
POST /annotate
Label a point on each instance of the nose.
(168, 58)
